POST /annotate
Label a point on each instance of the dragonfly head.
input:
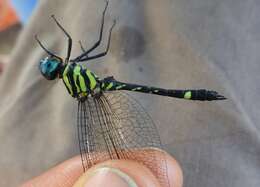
(50, 67)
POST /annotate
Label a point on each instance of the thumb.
(112, 172)
(118, 173)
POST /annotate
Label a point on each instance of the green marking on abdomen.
(109, 86)
(137, 88)
(120, 86)
(187, 95)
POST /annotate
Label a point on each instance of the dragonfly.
(111, 124)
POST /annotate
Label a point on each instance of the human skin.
(70, 173)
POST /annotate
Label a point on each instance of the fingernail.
(109, 177)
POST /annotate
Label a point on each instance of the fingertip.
(174, 172)
(132, 173)
(118, 173)
(137, 173)
(106, 176)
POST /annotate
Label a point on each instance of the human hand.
(116, 173)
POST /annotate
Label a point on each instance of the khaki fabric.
(167, 43)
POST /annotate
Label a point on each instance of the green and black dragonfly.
(111, 124)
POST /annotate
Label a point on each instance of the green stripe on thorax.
(92, 79)
(77, 74)
(66, 80)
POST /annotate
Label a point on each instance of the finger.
(63, 175)
(174, 171)
(118, 173)
(67, 173)
(130, 173)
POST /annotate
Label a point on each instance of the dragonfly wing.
(116, 126)
(91, 135)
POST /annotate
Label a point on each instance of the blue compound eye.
(49, 68)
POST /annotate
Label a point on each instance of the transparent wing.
(116, 126)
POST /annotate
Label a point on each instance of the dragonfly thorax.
(50, 68)
(80, 81)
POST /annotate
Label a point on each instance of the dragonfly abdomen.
(110, 84)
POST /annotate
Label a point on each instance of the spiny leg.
(86, 52)
(81, 46)
(46, 50)
(101, 54)
(69, 39)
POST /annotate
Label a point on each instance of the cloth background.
(166, 43)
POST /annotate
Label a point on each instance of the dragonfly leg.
(86, 58)
(46, 50)
(68, 36)
(82, 48)
(86, 52)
